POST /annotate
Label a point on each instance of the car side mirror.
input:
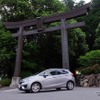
(45, 75)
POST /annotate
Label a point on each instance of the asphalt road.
(78, 93)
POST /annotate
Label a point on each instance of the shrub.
(5, 82)
(95, 69)
(90, 58)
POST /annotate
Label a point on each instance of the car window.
(46, 72)
(55, 72)
(58, 72)
(64, 72)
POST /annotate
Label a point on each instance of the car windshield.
(42, 73)
(45, 72)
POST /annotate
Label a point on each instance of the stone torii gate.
(39, 22)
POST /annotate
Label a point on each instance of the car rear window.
(64, 72)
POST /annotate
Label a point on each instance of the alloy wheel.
(70, 85)
(35, 87)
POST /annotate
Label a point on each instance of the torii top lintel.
(80, 11)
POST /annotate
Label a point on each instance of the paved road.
(77, 94)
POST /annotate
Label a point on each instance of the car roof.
(57, 69)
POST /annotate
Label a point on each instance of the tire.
(58, 88)
(35, 87)
(27, 91)
(70, 85)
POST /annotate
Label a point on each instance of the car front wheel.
(70, 85)
(35, 87)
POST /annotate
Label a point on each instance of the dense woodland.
(44, 50)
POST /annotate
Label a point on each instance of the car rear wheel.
(70, 85)
(35, 87)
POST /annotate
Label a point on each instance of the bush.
(95, 69)
(90, 58)
(5, 82)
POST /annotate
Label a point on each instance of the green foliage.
(69, 4)
(95, 69)
(44, 50)
(77, 42)
(97, 43)
(15, 10)
(98, 30)
(5, 82)
(97, 38)
(18, 10)
(7, 53)
(90, 58)
(92, 20)
(25, 74)
(31, 58)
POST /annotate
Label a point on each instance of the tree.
(77, 44)
(7, 53)
(44, 50)
(15, 10)
(80, 3)
(97, 38)
(92, 21)
(18, 10)
(69, 4)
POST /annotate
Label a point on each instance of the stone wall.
(92, 80)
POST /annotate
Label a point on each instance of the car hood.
(29, 78)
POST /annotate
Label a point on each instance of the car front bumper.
(23, 86)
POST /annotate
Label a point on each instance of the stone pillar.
(16, 77)
(64, 40)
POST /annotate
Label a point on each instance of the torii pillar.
(19, 49)
(64, 40)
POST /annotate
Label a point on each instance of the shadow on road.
(46, 91)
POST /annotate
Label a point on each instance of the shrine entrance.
(39, 24)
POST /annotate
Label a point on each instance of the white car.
(51, 78)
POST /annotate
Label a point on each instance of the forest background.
(43, 51)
